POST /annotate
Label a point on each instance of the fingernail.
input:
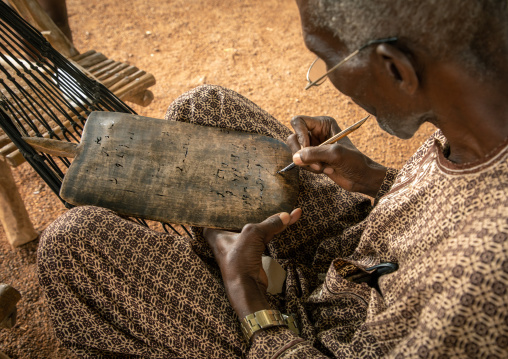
(285, 218)
(328, 171)
(297, 159)
(315, 166)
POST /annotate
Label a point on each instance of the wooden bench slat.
(4, 139)
(119, 76)
(5, 150)
(15, 159)
(92, 60)
(95, 68)
(135, 86)
(112, 72)
(83, 55)
(111, 67)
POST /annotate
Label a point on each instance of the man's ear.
(398, 66)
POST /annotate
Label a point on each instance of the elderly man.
(116, 289)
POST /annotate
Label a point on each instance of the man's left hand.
(239, 258)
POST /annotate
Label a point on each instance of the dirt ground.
(253, 47)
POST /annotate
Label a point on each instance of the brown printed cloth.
(446, 226)
(116, 289)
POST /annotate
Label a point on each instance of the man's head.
(392, 80)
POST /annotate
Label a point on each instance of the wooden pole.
(13, 214)
(32, 12)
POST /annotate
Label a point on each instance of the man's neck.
(472, 114)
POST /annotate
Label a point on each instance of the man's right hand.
(341, 161)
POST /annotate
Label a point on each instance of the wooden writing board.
(179, 172)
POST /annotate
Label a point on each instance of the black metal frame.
(42, 90)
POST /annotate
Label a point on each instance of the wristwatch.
(265, 319)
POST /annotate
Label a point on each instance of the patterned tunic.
(446, 226)
(116, 289)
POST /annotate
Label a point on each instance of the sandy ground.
(252, 47)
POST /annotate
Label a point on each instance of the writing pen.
(333, 139)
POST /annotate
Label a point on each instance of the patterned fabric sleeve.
(391, 174)
(280, 342)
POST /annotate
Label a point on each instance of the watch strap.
(265, 319)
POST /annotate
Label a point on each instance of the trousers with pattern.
(118, 289)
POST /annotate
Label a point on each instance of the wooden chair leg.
(143, 98)
(9, 297)
(13, 215)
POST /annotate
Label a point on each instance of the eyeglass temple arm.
(372, 42)
(313, 83)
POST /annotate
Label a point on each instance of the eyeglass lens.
(316, 70)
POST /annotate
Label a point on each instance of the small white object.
(275, 273)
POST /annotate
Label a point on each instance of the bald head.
(473, 32)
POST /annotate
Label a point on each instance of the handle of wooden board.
(53, 147)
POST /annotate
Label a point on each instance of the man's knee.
(75, 221)
(68, 239)
(78, 227)
(208, 91)
(201, 105)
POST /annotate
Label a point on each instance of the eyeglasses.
(317, 73)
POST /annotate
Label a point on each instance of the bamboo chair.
(45, 94)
